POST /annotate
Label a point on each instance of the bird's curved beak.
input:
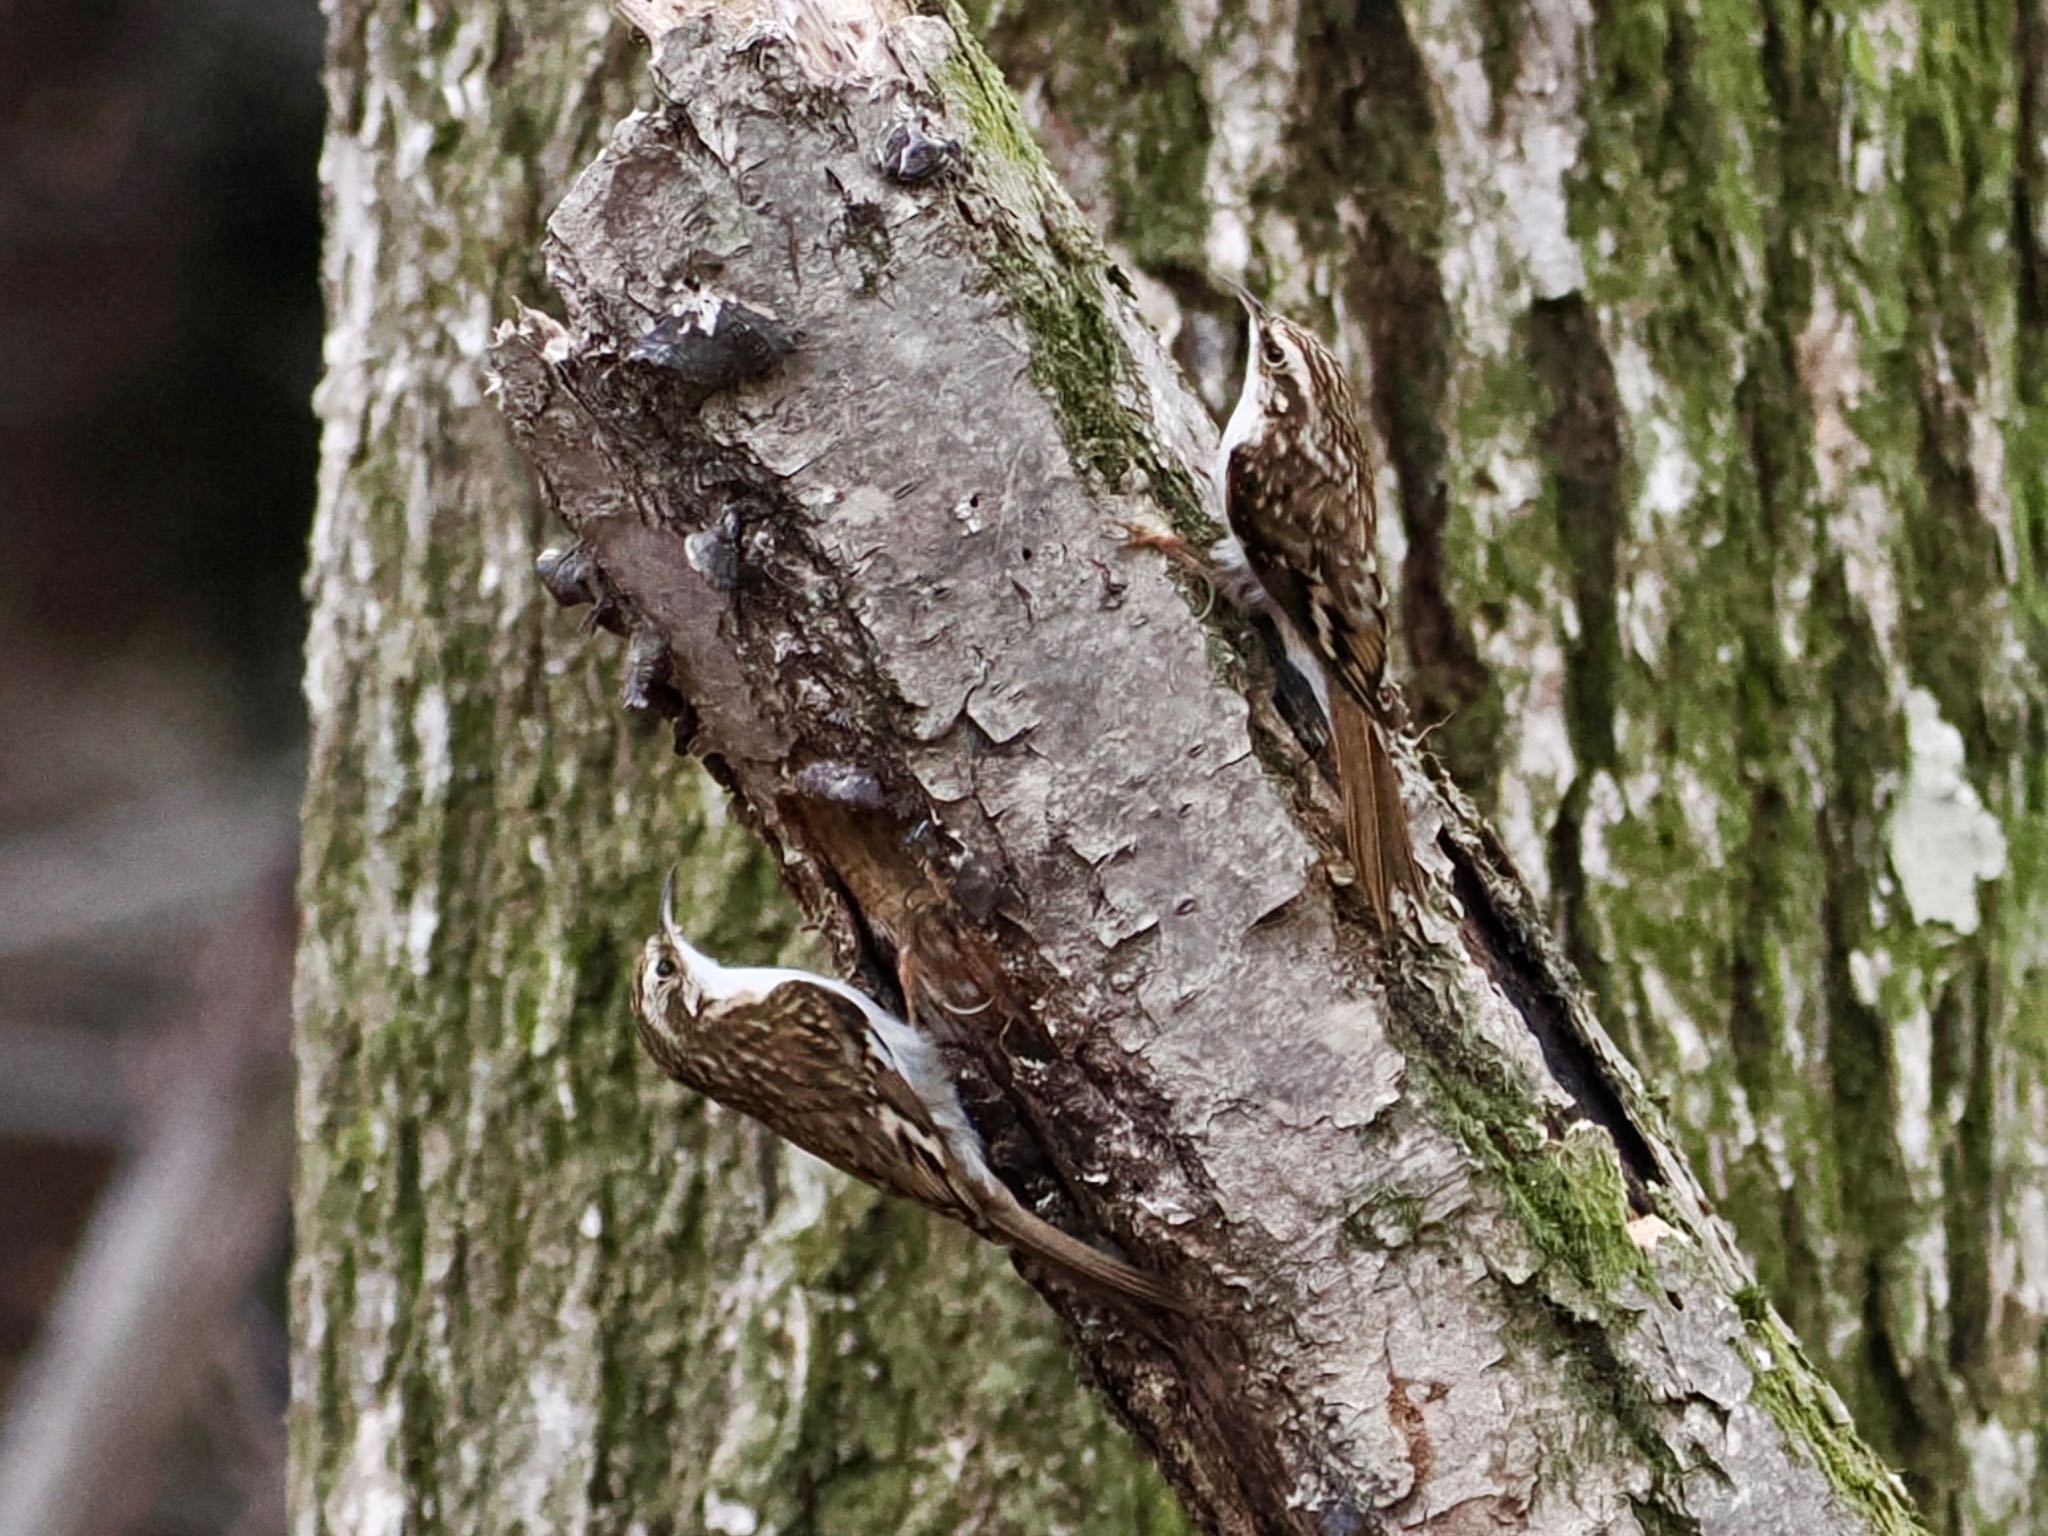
(1251, 305)
(668, 904)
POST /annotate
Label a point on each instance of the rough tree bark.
(1708, 345)
(1450, 1269)
(537, 1289)
(1801, 248)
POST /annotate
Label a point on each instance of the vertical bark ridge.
(536, 1288)
(1811, 240)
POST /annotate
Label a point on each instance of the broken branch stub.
(848, 417)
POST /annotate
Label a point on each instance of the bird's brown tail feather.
(1019, 1228)
(1376, 822)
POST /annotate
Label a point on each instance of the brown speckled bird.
(827, 1067)
(1298, 493)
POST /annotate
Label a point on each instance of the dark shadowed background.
(160, 330)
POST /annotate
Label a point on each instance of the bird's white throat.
(1244, 421)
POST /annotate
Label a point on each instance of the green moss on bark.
(1785, 1384)
(1125, 71)
(1052, 269)
(537, 1287)
(1814, 255)
(1811, 203)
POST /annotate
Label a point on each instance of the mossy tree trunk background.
(538, 1288)
(1706, 352)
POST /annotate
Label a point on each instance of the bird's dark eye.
(664, 967)
(1275, 355)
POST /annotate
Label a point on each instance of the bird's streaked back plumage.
(827, 1067)
(1298, 493)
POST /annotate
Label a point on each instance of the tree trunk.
(1708, 356)
(537, 1288)
(847, 412)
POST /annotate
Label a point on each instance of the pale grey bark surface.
(1707, 351)
(1450, 1271)
(536, 1288)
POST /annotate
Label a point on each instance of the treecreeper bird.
(1298, 494)
(827, 1067)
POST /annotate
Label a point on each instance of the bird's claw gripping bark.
(1163, 540)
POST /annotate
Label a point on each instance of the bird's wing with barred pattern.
(932, 1155)
(1316, 570)
(897, 1146)
(1347, 606)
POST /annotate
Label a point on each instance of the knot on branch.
(711, 344)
